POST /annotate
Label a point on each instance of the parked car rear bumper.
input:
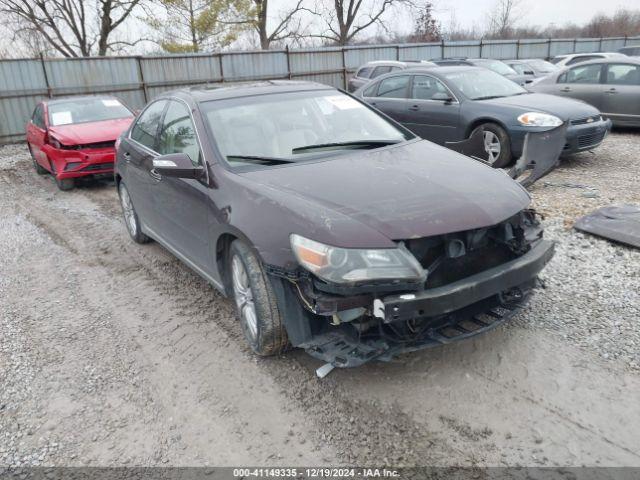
(81, 163)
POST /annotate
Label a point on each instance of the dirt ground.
(114, 354)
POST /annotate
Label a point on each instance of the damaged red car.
(332, 227)
(75, 137)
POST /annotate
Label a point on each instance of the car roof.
(587, 54)
(440, 70)
(220, 91)
(621, 59)
(54, 101)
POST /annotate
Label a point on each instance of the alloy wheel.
(129, 213)
(244, 296)
(491, 146)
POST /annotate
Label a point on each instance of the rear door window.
(394, 87)
(146, 127)
(623, 74)
(582, 74)
(178, 134)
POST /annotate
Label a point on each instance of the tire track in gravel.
(276, 408)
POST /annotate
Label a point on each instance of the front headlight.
(350, 265)
(537, 119)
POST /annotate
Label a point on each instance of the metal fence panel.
(561, 47)
(356, 56)
(421, 52)
(252, 66)
(22, 76)
(462, 49)
(92, 75)
(500, 49)
(139, 79)
(533, 49)
(197, 68)
(326, 60)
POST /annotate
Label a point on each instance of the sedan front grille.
(98, 166)
(585, 120)
(591, 139)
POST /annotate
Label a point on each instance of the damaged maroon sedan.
(332, 227)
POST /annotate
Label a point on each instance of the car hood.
(416, 189)
(90, 132)
(564, 108)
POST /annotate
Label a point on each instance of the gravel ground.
(116, 354)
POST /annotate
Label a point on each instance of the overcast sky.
(533, 12)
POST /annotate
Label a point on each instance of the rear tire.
(497, 144)
(40, 170)
(65, 184)
(131, 219)
(256, 305)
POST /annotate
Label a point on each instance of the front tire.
(497, 145)
(40, 170)
(65, 184)
(255, 301)
(131, 219)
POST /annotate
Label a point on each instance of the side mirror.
(441, 96)
(178, 165)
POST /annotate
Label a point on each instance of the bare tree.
(427, 28)
(502, 20)
(344, 19)
(289, 24)
(73, 28)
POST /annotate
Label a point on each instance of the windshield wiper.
(355, 143)
(261, 159)
(489, 97)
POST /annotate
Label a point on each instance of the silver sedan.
(610, 85)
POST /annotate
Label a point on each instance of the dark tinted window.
(38, 117)
(364, 72)
(583, 58)
(379, 71)
(425, 87)
(84, 110)
(583, 74)
(146, 127)
(394, 87)
(623, 74)
(178, 134)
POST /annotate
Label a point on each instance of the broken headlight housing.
(538, 119)
(353, 266)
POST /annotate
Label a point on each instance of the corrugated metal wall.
(139, 79)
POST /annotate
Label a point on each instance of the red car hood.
(91, 132)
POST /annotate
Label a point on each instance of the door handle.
(611, 90)
(155, 175)
(414, 108)
(565, 89)
(127, 156)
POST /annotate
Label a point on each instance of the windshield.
(480, 84)
(295, 126)
(84, 110)
(497, 66)
(543, 66)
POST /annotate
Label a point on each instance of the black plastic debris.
(618, 223)
(540, 153)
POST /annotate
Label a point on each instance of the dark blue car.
(448, 104)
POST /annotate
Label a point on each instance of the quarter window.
(623, 74)
(394, 87)
(583, 74)
(178, 134)
(146, 127)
